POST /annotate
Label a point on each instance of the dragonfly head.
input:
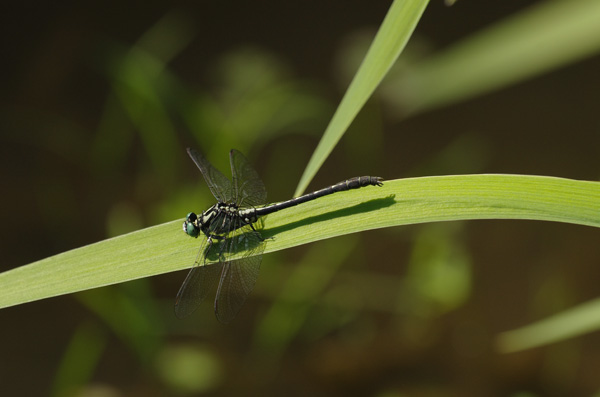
(191, 225)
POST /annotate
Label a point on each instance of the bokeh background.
(99, 101)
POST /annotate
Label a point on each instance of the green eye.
(189, 226)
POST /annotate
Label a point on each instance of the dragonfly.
(229, 229)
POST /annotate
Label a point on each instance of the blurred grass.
(79, 360)
(128, 309)
(189, 368)
(544, 37)
(573, 322)
(258, 101)
(297, 295)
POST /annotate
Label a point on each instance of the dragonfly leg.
(209, 244)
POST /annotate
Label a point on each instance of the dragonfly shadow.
(243, 240)
(367, 206)
(253, 241)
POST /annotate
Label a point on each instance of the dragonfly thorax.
(218, 220)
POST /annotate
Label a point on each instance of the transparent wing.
(200, 281)
(219, 185)
(249, 189)
(239, 276)
(238, 280)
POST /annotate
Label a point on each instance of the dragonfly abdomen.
(348, 184)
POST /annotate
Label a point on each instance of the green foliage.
(257, 101)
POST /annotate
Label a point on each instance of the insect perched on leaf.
(229, 229)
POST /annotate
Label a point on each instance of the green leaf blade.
(389, 42)
(166, 248)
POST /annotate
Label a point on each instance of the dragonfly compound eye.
(189, 225)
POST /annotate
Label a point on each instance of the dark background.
(66, 183)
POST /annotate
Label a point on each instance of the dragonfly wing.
(200, 281)
(238, 280)
(249, 189)
(239, 275)
(218, 183)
